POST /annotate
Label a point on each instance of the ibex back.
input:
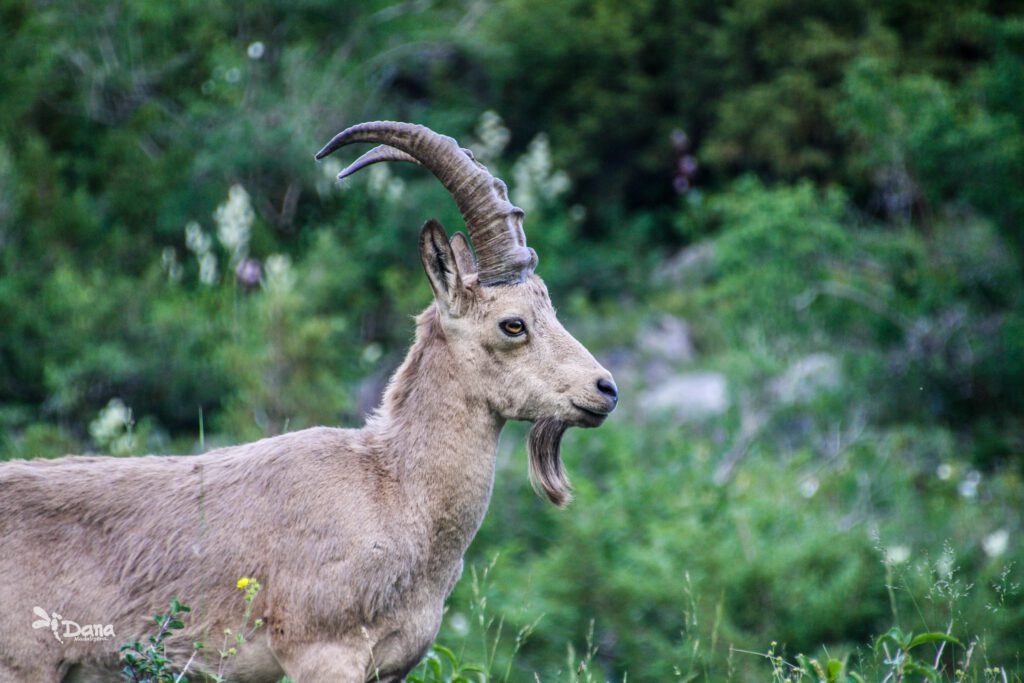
(357, 536)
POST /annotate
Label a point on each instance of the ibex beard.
(356, 535)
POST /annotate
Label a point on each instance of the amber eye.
(513, 327)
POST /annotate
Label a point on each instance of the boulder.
(689, 397)
(668, 338)
(806, 378)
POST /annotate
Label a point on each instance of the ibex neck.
(443, 438)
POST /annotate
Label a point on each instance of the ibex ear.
(441, 264)
(463, 255)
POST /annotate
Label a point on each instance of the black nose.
(607, 387)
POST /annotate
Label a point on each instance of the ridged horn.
(495, 225)
(374, 156)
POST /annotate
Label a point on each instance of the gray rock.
(807, 378)
(690, 266)
(668, 338)
(689, 397)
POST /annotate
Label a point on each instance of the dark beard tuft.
(546, 471)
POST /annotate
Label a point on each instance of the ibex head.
(491, 307)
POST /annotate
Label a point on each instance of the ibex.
(357, 536)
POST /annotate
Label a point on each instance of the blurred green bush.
(176, 272)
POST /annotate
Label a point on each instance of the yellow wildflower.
(243, 582)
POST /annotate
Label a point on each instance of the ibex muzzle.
(356, 535)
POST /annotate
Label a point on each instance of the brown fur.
(547, 473)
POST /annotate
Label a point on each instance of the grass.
(894, 656)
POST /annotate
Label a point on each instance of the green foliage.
(925, 142)
(898, 647)
(442, 666)
(774, 247)
(818, 548)
(857, 199)
(756, 82)
(149, 663)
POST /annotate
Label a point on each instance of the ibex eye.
(513, 327)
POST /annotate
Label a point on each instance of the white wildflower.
(809, 486)
(331, 168)
(995, 543)
(378, 179)
(328, 180)
(384, 184)
(372, 353)
(968, 488)
(169, 261)
(196, 239)
(491, 137)
(395, 190)
(897, 554)
(111, 430)
(256, 49)
(208, 269)
(234, 223)
(536, 180)
(279, 274)
(199, 243)
(459, 623)
(944, 471)
(945, 566)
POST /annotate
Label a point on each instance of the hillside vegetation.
(793, 230)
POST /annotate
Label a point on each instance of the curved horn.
(376, 155)
(495, 225)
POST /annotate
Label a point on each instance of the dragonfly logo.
(62, 628)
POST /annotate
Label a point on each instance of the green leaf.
(894, 636)
(912, 667)
(834, 669)
(435, 666)
(810, 666)
(923, 638)
(449, 655)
